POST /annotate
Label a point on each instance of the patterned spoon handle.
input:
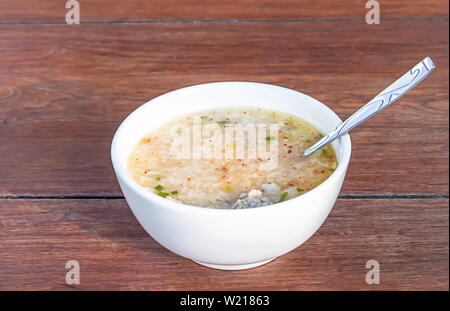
(381, 101)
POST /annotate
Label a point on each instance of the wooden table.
(64, 89)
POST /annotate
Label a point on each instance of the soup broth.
(231, 176)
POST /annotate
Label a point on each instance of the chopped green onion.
(223, 122)
(270, 138)
(179, 130)
(174, 192)
(324, 152)
(333, 166)
(283, 197)
(163, 194)
(159, 187)
(158, 178)
(228, 188)
(299, 190)
(203, 117)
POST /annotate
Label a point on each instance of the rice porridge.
(194, 161)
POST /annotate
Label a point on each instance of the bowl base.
(235, 267)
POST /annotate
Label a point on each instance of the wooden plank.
(64, 90)
(20, 11)
(409, 238)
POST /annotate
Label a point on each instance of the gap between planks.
(218, 21)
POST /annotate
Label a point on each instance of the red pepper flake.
(189, 179)
(284, 157)
(290, 147)
(245, 112)
(235, 122)
(285, 137)
(259, 159)
(227, 118)
(294, 126)
(290, 150)
(210, 119)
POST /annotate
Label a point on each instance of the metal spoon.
(381, 101)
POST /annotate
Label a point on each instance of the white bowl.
(229, 239)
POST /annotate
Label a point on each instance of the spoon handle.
(381, 101)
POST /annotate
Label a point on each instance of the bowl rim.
(121, 172)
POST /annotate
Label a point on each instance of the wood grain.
(22, 11)
(65, 89)
(409, 238)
